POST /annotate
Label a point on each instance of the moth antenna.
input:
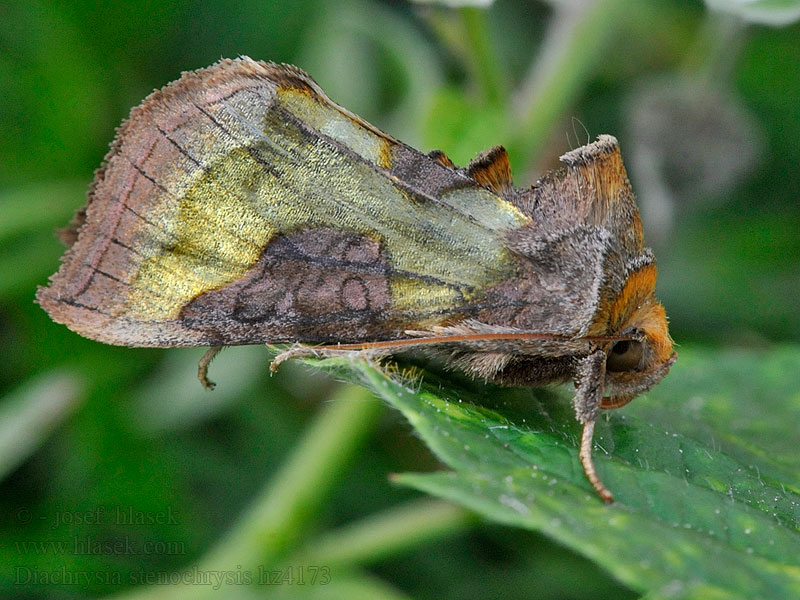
(467, 337)
(585, 455)
(585, 130)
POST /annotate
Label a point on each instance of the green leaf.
(706, 488)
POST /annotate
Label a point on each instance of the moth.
(240, 205)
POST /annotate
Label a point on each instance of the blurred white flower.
(765, 12)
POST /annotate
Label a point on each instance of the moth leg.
(302, 351)
(296, 351)
(202, 367)
(590, 381)
(587, 403)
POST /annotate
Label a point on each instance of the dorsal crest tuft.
(492, 170)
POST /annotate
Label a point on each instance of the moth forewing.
(240, 205)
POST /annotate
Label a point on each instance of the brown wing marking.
(315, 285)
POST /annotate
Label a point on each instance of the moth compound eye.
(624, 356)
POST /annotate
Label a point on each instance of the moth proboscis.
(240, 205)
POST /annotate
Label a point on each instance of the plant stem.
(358, 585)
(575, 43)
(29, 414)
(285, 509)
(299, 488)
(385, 534)
(486, 64)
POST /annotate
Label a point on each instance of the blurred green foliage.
(705, 107)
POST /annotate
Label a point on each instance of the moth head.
(640, 360)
